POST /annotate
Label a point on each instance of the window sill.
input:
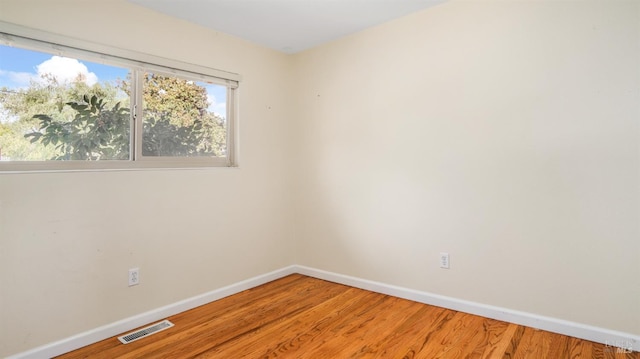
(99, 166)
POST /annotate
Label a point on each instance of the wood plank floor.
(303, 317)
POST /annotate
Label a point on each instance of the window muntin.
(181, 132)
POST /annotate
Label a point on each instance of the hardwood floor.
(302, 317)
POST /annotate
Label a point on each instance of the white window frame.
(32, 39)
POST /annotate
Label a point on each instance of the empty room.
(320, 179)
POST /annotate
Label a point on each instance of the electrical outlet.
(444, 260)
(134, 276)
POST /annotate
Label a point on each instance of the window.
(61, 108)
(182, 118)
(68, 107)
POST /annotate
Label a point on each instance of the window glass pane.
(60, 108)
(183, 118)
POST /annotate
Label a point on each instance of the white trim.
(555, 325)
(107, 331)
(231, 121)
(179, 163)
(577, 330)
(91, 51)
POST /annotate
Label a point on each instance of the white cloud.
(22, 78)
(219, 108)
(66, 70)
(17, 79)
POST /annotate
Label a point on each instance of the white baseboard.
(95, 335)
(578, 330)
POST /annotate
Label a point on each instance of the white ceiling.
(287, 25)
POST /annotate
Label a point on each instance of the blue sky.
(19, 66)
(16, 63)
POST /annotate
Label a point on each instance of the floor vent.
(145, 332)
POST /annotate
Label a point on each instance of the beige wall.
(68, 239)
(503, 132)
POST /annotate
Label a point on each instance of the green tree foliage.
(96, 132)
(79, 122)
(18, 108)
(177, 121)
